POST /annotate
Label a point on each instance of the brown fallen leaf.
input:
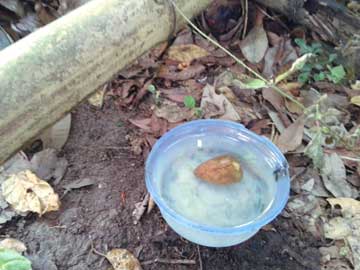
(228, 93)
(158, 126)
(25, 192)
(214, 105)
(177, 94)
(190, 72)
(45, 14)
(47, 165)
(57, 135)
(292, 136)
(222, 170)
(334, 177)
(122, 259)
(274, 98)
(14, 244)
(186, 53)
(144, 124)
(255, 44)
(172, 112)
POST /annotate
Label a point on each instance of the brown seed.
(221, 170)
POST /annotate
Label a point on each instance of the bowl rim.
(264, 219)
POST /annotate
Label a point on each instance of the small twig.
(297, 174)
(350, 158)
(246, 15)
(200, 260)
(93, 250)
(169, 261)
(217, 44)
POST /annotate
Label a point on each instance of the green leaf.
(303, 47)
(152, 88)
(336, 73)
(316, 48)
(11, 260)
(307, 68)
(332, 57)
(189, 102)
(319, 66)
(319, 76)
(198, 112)
(304, 77)
(253, 84)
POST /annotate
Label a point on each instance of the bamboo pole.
(46, 74)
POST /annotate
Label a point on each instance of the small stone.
(222, 170)
(122, 259)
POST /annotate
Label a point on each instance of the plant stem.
(238, 61)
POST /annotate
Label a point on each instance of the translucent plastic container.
(233, 137)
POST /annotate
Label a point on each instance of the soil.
(101, 215)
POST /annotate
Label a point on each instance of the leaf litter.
(190, 67)
(26, 192)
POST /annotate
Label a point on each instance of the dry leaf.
(14, 244)
(57, 135)
(355, 100)
(255, 44)
(292, 136)
(140, 208)
(348, 206)
(222, 170)
(15, 6)
(336, 265)
(213, 105)
(46, 165)
(274, 98)
(228, 93)
(356, 85)
(269, 63)
(25, 192)
(97, 99)
(122, 259)
(346, 227)
(17, 163)
(188, 73)
(334, 177)
(172, 112)
(293, 107)
(308, 209)
(186, 53)
(144, 124)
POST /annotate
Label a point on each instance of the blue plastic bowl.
(212, 236)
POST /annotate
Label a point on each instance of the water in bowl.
(210, 204)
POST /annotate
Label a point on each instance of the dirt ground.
(101, 215)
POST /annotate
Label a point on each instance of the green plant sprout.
(321, 66)
(155, 93)
(190, 103)
(327, 131)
